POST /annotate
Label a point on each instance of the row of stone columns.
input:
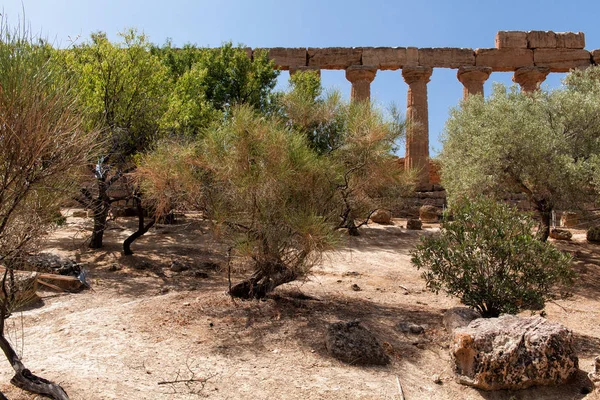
(417, 132)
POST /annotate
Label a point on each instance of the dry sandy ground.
(138, 329)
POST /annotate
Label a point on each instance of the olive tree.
(44, 144)
(542, 144)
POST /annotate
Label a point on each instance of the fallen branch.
(201, 380)
(400, 388)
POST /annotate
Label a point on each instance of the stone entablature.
(530, 55)
(560, 52)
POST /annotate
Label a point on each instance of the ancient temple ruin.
(530, 55)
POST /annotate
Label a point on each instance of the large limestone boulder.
(383, 217)
(429, 214)
(593, 235)
(512, 352)
(353, 343)
(457, 317)
(561, 234)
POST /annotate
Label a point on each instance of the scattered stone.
(414, 224)
(593, 234)
(52, 263)
(561, 234)
(351, 273)
(458, 317)
(79, 214)
(200, 274)
(339, 281)
(186, 304)
(177, 266)
(437, 380)
(354, 344)
(114, 267)
(409, 327)
(383, 217)
(513, 353)
(429, 214)
(355, 287)
(164, 290)
(142, 266)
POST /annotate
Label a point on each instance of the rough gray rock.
(458, 317)
(352, 343)
(409, 327)
(383, 217)
(593, 235)
(177, 266)
(513, 353)
(414, 224)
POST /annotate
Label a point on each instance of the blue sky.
(324, 23)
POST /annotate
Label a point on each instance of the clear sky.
(324, 23)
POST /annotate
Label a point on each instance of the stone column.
(473, 79)
(417, 116)
(530, 78)
(361, 77)
(293, 70)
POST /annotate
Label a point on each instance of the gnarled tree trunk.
(261, 283)
(142, 229)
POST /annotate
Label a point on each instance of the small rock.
(429, 214)
(356, 288)
(79, 214)
(114, 267)
(437, 380)
(350, 273)
(143, 265)
(177, 266)
(561, 234)
(339, 281)
(409, 327)
(383, 217)
(200, 274)
(164, 290)
(458, 317)
(352, 343)
(414, 224)
(186, 304)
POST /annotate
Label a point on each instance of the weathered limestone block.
(412, 57)
(473, 79)
(446, 57)
(334, 57)
(384, 58)
(414, 224)
(596, 56)
(530, 78)
(511, 39)
(361, 77)
(570, 40)
(569, 219)
(383, 217)
(541, 40)
(562, 60)
(429, 214)
(354, 344)
(513, 353)
(593, 235)
(458, 317)
(560, 234)
(284, 58)
(504, 59)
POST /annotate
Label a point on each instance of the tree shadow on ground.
(392, 238)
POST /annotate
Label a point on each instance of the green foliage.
(488, 258)
(123, 87)
(211, 81)
(542, 144)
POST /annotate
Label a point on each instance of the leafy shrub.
(489, 258)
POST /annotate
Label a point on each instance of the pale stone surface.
(334, 57)
(570, 40)
(569, 219)
(417, 116)
(295, 69)
(457, 317)
(284, 58)
(562, 60)
(383, 217)
(354, 344)
(473, 79)
(513, 353)
(530, 78)
(446, 57)
(361, 77)
(504, 59)
(384, 58)
(541, 39)
(511, 39)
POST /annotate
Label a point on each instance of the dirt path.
(140, 328)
